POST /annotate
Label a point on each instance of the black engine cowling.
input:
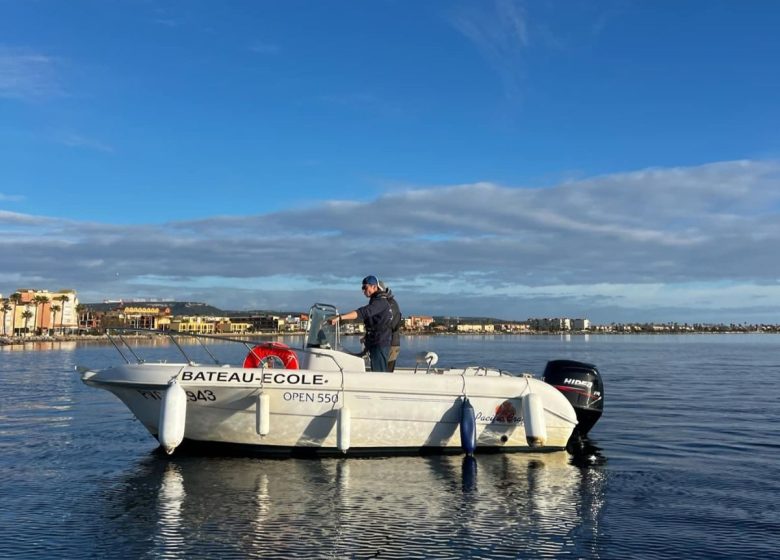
(582, 385)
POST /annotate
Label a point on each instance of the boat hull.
(399, 413)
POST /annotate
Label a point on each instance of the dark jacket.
(395, 323)
(377, 317)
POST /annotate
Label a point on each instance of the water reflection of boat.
(519, 505)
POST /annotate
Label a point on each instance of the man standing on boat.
(377, 316)
(395, 326)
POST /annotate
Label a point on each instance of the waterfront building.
(137, 317)
(475, 328)
(353, 327)
(518, 328)
(232, 327)
(197, 324)
(33, 311)
(417, 322)
(554, 324)
(580, 324)
(295, 323)
(260, 322)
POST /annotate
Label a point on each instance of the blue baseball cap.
(370, 280)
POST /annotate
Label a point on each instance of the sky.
(615, 160)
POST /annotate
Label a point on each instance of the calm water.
(685, 463)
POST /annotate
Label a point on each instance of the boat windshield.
(321, 333)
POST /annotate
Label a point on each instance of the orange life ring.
(260, 354)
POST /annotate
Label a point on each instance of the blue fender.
(468, 428)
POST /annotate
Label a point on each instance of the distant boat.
(321, 400)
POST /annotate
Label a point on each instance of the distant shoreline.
(22, 340)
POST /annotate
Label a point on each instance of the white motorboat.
(320, 399)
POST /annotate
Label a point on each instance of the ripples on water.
(684, 464)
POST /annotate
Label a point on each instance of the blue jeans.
(378, 355)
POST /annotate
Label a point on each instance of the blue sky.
(613, 160)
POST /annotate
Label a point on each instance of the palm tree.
(6, 307)
(40, 301)
(55, 308)
(16, 298)
(36, 301)
(63, 299)
(80, 308)
(44, 301)
(26, 315)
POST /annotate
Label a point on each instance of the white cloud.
(75, 140)
(499, 31)
(27, 74)
(681, 243)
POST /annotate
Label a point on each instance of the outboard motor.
(581, 383)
